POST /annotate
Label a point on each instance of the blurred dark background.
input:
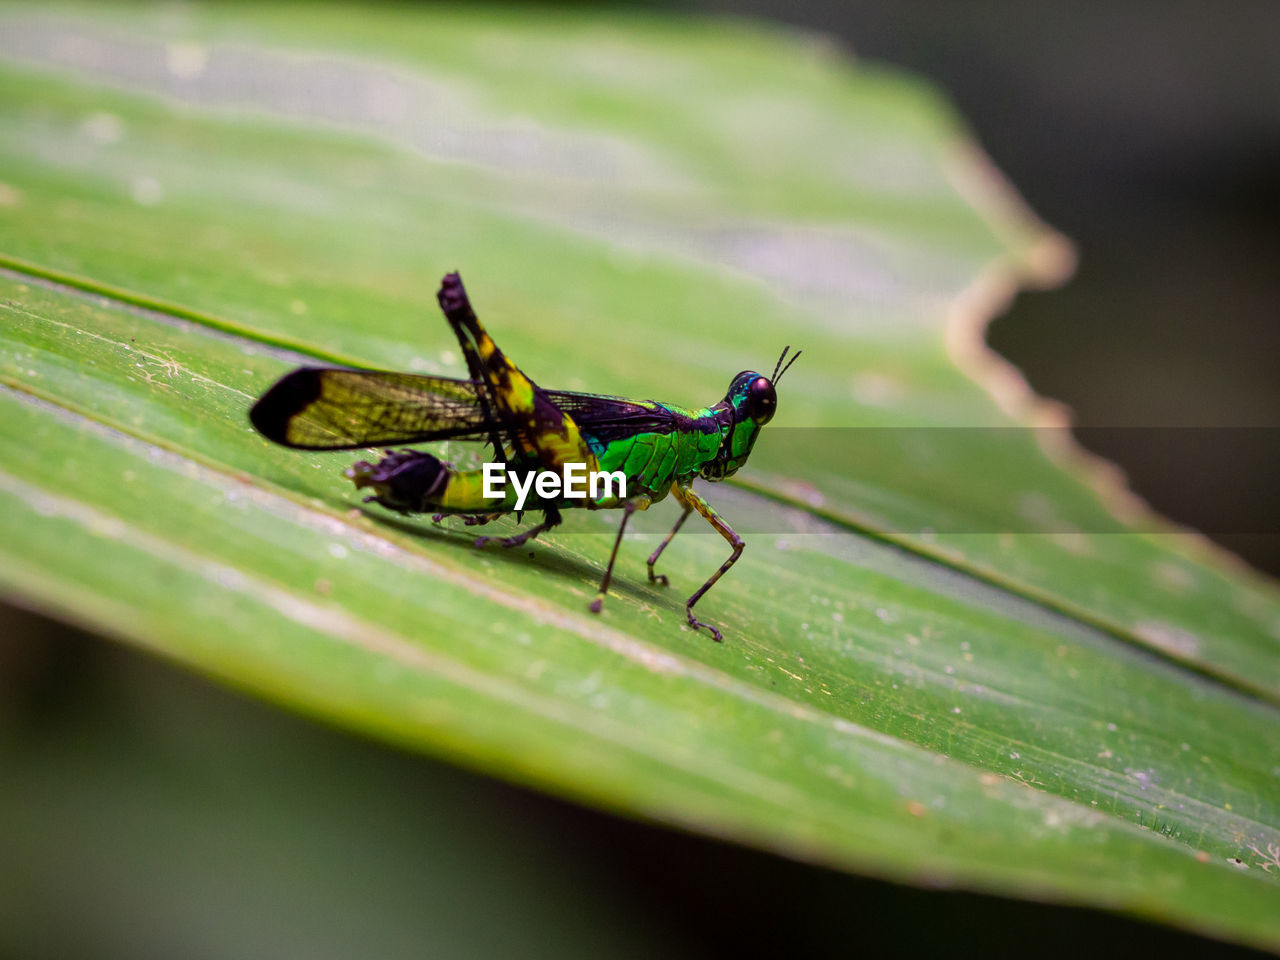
(1148, 133)
(150, 813)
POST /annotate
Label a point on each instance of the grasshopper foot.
(699, 625)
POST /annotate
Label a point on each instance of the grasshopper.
(656, 448)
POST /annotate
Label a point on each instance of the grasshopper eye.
(762, 401)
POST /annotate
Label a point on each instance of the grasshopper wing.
(328, 408)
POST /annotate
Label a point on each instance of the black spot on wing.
(293, 392)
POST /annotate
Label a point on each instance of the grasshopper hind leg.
(468, 519)
(551, 518)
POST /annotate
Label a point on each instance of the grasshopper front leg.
(691, 500)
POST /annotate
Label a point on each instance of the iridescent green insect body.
(660, 448)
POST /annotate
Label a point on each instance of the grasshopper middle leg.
(661, 578)
(629, 507)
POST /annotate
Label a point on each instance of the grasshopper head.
(749, 404)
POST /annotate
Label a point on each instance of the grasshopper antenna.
(779, 369)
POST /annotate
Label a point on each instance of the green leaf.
(194, 201)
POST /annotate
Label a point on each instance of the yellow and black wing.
(329, 408)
